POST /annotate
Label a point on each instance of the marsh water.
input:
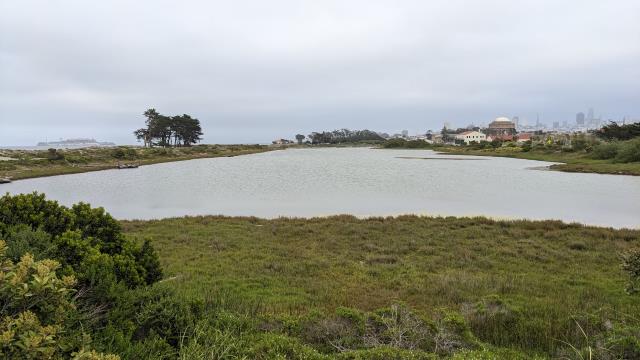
(357, 181)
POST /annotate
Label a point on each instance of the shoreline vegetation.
(343, 288)
(25, 164)
(598, 158)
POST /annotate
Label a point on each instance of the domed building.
(501, 126)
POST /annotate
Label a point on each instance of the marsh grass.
(519, 284)
(40, 163)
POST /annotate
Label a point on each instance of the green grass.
(520, 284)
(37, 163)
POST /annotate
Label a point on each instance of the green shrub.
(629, 151)
(131, 153)
(118, 153)
(452, 333)
(36, 310)
(631, 265)
(398, 143)
(54, 155)
(22, 239)
(605, 151)
(577, 245)
(83, 239)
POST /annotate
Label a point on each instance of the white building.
(470, 136)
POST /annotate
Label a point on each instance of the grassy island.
(617, 157)
(23, 164)
(570, 161)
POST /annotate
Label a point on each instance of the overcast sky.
(254, 70)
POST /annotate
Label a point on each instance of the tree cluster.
(167, 131)
(343, 136)
(613, 131)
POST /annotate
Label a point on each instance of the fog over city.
(252, 71)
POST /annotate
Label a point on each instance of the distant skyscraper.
(580, 119)
(516, 121)
(405, 133)
(590, 116)
(556, 124)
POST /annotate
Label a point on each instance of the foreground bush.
(36, 309)
(87, 242)
(65, 274)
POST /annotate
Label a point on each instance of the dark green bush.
(84, 240)
(605, 151)
(628, 151)
(112, 307)
(54, 155)
(22, 239)
(406, 144)
(118, 153)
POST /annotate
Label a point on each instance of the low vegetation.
(37, 163)
(75, 283)
(407, 287)
(342, 136)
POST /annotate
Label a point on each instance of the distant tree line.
(399, 143)
(343, 136)
(613, 131)
(167, 131)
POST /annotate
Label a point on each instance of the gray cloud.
(254, 70)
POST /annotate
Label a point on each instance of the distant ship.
(76, 143)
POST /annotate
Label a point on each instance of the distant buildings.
(501, 126)
(588, 122)
(471, 136)
(500, 137)
(524, 137)
(82, 142)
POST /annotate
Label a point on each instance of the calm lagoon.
(358, 181)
